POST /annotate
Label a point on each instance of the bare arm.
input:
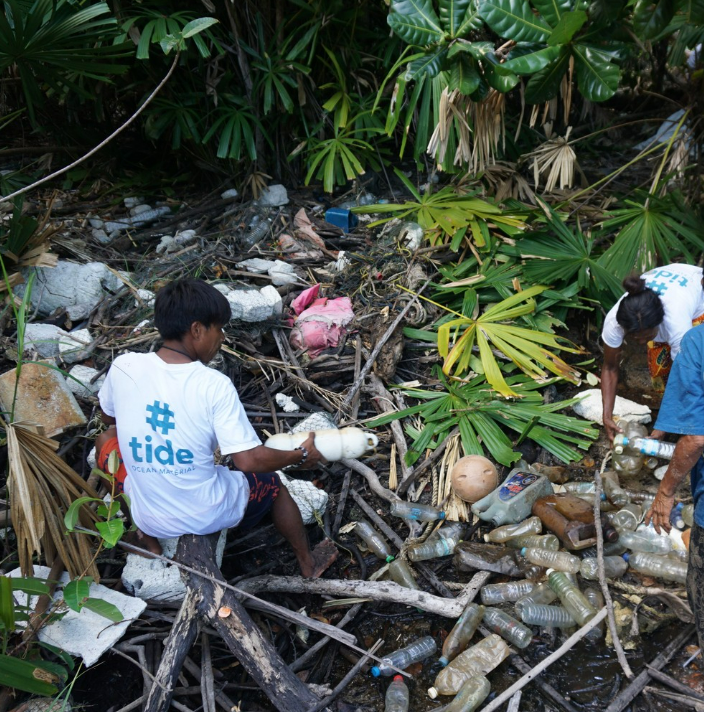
(263, 459)
(107, 419)
(609, 381)
(689, 449)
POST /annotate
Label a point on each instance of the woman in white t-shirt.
(658, 310)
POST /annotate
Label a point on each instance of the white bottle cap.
(432, 693)
(549, 571)
(486, 538)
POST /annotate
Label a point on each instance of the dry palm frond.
(505, 181)
(679, 159)
(393, 470)
(41, 487)
(556, 158)
(489, 129)
(256, 183)
(566, 92)
(450, 108)
(456, 509)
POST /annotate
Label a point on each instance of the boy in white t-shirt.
(168, 412)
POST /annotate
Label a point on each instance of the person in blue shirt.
(682, 413)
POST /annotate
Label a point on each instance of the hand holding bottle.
(659, 512)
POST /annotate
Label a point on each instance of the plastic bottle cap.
(523, 551)
(442, 515)
(398, 678)
(626, 556)
(487, 538)
(549, 571)
(389, 559)
(375, 671)
(443, 661)
(432, 693)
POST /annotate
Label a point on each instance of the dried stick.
(430, 460)
(341, 504)
(674, 684)
(686, 700)
(544, 664)
(377, 349)
(372, 478)
(602, 575)
(207, 683)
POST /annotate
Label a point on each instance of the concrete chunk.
(274, 196)
(43, 339)
(590, 407)
(73, 344)
(254, 305)
(84, 389)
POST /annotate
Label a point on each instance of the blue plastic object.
(342, 218)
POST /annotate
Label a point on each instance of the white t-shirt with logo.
(680, 289)
(170, 419)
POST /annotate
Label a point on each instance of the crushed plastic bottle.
(661, 567)
(579, 487)
(471, 695)
(572, 598)
(401, 573)
(534, 541)
(541, 594)
(507, 627)
(596, 598)
(256, 233)
(500, 535)
(374, 541)
(627, 518)
(559, 560)
(436, 546)
(402, 658)
(547, 616)
(512, 501)
(462, 632)
(637, 541)
(415, 512)
(480, 659)
(614, 567)
(613, 491)
(397, 697)
(495, 593)
(628, 461)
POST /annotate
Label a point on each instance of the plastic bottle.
(332, 444)
(624, 443)
(535, 541)
(495, 593)
(613, 491)
(401, 659)
(548, 616)
(471, 695)
(579, 487)
(572, 598)
(401, 573)
(676, 516)
(416, 512)
(614, 566)
(678, 544)
(541, 594)
(661, 567)
(613, 548)
(560, 560)
(596, 598)
(374, 541)
(529, 570)
(397, 696)
(627, 518)
(480, 659)
(645, 499)
(532, 525)
(628, 461)
(688, 514)
(512, 501)
(434, 547)
(256, 233)
(508, 627)
(636, 541)
(461, 633)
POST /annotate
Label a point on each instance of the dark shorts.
(263, 491)
(695, 579)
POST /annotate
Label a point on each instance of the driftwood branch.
(372, 478)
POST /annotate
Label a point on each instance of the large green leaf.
(428, 65)
(532, 61)
(104, 608)
(471, 20)
(28, 676)
(597, 76)
(651, 18)
(7, 605)
(545, 84)
(452, 14)
(464, 74)
(415, 22)
(514, 20)
(693, 11)
(552, 10)
(76, 592)
(570, 23)
(497, 76)
(111, 531)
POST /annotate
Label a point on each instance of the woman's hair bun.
(634, 284)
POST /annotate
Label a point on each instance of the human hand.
(659, 512)
(611, 428)
(314, 459)
(657, 434)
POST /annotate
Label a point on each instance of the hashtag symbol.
(658, 287)
(160, 417)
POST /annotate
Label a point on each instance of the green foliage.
(77, 596)
(483, 418)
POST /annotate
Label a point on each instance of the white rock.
(147, 298)
(230, 194)
(72, 345)
(77, 287)
(84, 634)
(253, 305)
(132, 201)
(282, 273)
(91, 456)
(286, 403)
(274, 196)
(307, 496)
(590, 407)
(172, 244)
(43, 338)
(315, 421)
(256, 265)
(84, 389)
(95, 222)
(101, 236)
(222, 288)
(155, 580)
(139, 209)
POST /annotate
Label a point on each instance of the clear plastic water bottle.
(508, 627)
(627, 518)
(495, 593)
(401, 659)
(661, 567)
(635, 541)
(547, 616)
(688, 514)
(528, 569)
(374, 541)
(559, 560)
(645, 499)
(434, 546)
(676, 518)
(628, 461)
(532, 525)
(401, 573)
(579, 487)
(649, 447)
(596, 598)
(535, 541)
(480, 659)
(614, 567)
(256, 233)
(471, 695)
(397, 697)
(613, 490)
(462, 632)
(572, 598)
(416, 512)
(541, 594)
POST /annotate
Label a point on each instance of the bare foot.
(321, 558)
(150, 544)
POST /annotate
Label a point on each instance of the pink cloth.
(320, 322)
